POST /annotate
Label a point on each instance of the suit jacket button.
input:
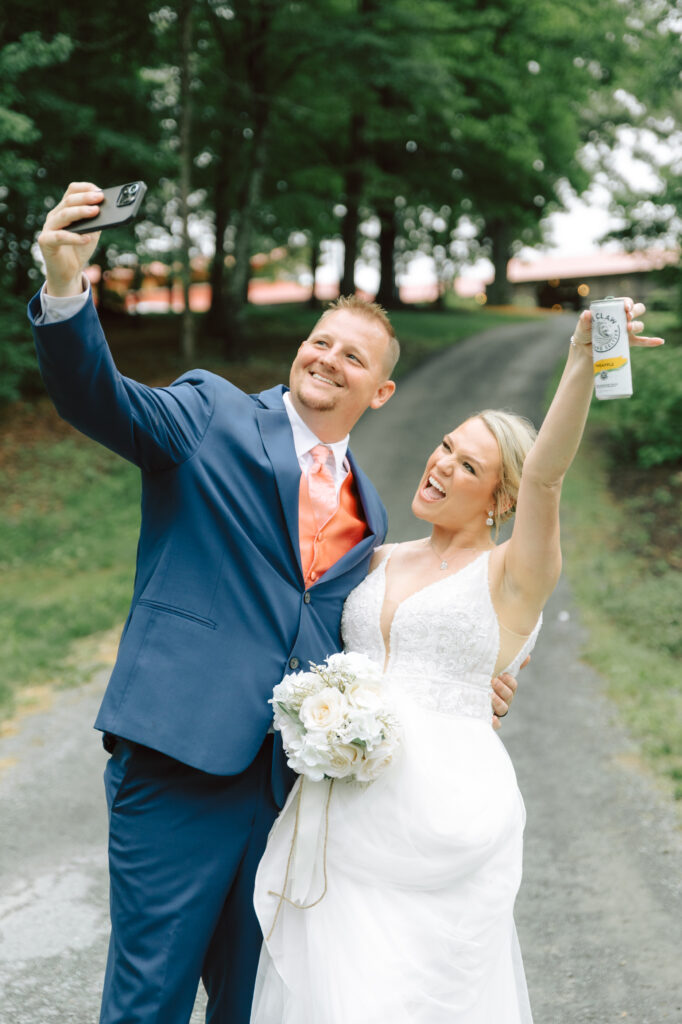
(306, 597)
(294, 663)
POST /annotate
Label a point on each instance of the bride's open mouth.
(432, 490)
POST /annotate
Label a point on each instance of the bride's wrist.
(582, 335)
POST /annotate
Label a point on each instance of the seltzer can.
(610, 349)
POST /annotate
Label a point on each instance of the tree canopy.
(458, 127)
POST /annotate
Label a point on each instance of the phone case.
(110, 215)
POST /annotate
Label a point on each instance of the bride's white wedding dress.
(423, 865)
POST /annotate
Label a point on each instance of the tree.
(268, 52)
(92, 122)
(20, 172)
(20, 60)
(185, 156)
(648, 105)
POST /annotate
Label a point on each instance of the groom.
(256, 524)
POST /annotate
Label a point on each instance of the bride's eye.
(469, 467)
(446, 445)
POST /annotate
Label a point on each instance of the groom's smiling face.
(339, 371)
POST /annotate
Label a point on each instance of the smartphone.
(120, 205)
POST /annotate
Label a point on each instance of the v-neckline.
(388, 648)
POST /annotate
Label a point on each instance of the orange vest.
(321, 547)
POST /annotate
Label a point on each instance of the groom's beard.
(318, 403)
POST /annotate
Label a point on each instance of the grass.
(68, 525)
(631, 613)
(69, 509)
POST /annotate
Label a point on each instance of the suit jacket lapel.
(275, 431)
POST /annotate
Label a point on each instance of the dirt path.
(600, 912)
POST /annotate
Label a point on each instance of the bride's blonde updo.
(515, 436)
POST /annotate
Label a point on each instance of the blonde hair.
(371, 311)
(515, 436)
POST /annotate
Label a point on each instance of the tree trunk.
(215, 320)
(235, 341)
(499, 292)
(387, 294)
(21, 283)
(353, 191)
(314, 263)
(187, 343)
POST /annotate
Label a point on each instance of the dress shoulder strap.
(390, 548)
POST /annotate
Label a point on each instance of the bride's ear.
(504, 504)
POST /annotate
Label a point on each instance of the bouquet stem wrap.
(312, 814)
(335, 724)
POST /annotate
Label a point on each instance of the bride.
(421, 868)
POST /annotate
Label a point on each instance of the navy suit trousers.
(183, 851)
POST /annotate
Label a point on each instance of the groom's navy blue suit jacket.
(220, 611)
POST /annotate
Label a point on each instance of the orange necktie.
(321, 486)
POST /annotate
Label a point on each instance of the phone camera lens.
(128, 193)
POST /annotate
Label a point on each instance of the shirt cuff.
(56, 308)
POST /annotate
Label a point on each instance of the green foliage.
(73, 107)
(647, 428)
(437, 117)
(649, 605)
(18, 367)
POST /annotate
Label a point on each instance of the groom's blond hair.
(371, 311)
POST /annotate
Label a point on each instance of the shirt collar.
(305, 439)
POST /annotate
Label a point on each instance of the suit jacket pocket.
(182, 613)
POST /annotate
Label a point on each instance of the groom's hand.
(504, 688)
(66, 254)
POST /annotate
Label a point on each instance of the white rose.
(375, 763)
(344, 759)
(366, 696)
(324, 710)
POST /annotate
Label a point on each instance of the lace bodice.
(444, 638)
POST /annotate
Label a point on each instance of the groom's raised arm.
(153, 427)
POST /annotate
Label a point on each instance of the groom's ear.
(382, 394)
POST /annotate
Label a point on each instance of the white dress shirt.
(305, 440)
(56, 308)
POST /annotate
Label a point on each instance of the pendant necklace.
(443, 562)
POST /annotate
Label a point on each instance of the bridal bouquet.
(335, 722)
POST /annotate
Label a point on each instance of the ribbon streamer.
(304, 843)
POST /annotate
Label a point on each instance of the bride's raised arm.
(532, 556)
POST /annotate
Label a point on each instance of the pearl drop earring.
(490, 521)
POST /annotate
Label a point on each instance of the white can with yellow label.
(610, 349)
